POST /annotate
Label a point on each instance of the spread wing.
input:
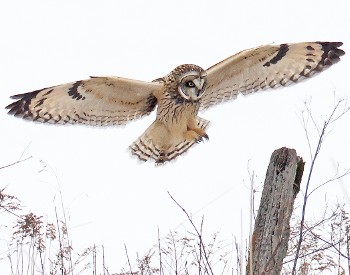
(267, 66)
(97, 101)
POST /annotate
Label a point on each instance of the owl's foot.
(202, 138)
(197, 135)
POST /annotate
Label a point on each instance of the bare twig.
(251, 221)
(200, 251)
(331, 244)
(309, 253)
(16, 162)
(348, 246)
(322, 135)
(127, 256)
(161, 272)
(334, 178)
(239, 270)
(206, 263)
(104, 262)
(94, 263)
(60, 241)
(19, 159)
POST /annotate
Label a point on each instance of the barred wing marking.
(97, 101)
(267, 66)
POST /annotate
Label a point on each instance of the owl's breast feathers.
(176, 128)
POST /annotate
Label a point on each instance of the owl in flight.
(179, 96)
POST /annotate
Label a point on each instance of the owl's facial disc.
(192, 85)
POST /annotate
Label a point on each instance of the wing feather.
(96, 101)
(267, 66)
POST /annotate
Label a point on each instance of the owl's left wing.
(97, 101)
(267, 66)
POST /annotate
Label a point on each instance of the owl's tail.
(159, 144)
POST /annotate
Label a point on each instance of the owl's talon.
(201, 138)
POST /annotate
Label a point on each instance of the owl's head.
(191, 81)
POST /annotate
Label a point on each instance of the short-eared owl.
(180, 95)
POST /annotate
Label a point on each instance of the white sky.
(111, 198)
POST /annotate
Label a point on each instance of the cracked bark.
(272, 229)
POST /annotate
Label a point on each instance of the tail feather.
(147, 148)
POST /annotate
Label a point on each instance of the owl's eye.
(190, 84)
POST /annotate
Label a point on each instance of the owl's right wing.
(97, 101)
(267, 66)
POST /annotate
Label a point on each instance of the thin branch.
(127, 256)
(251, 223)
(60, 242)
(305, 199)
(331, 118)
(305, 123)
(330, 180)
(198, 235)
(308, 109)
(16, 162)
(200, 251)
(329, 243)
(104, 261)
(239, 269)
(94, 260)
(19, 159)
(308, 254)
(161, 271)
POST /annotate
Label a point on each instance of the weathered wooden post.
(269, 242)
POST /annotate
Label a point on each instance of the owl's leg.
(196, 129)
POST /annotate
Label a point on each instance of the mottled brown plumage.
(180, 95)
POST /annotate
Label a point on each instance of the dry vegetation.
(41, 247)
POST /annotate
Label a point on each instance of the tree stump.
(269, 242)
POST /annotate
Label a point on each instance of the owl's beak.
(199, 83)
